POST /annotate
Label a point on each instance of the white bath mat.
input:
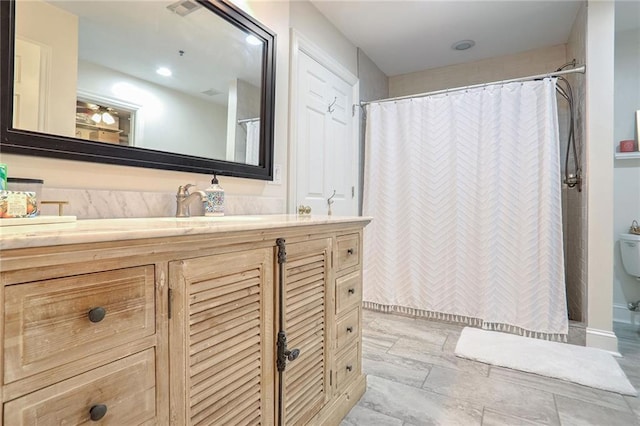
(586, 366)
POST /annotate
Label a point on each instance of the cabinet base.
(341, 404)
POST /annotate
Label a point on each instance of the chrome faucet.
(183, 198)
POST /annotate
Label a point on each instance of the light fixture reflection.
(104, 117)
(108, 118)
(164, 71)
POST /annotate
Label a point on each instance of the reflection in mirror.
(160, 75)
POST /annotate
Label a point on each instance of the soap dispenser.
(214, 205)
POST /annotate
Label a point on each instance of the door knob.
(304, 209)
(292, 354)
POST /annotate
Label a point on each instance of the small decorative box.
(627, 145)
(18, 204)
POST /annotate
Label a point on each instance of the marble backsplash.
(101, 204)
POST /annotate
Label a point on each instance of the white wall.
(626, 172)
(599, 173)
(313, 25)
(170, 120)
(536, 61)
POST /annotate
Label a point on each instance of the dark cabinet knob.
(349, 329)
(351, 290)
(97, 314)
(350, 251)
(97, 412)
(349, 367)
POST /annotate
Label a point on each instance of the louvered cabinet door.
(306, 380)
(222, 340)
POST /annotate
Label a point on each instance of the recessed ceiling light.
(253, 40)
(463, 44)
(164, 71)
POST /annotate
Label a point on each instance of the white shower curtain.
(464, 189)
(253, 142)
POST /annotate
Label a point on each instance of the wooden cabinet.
(122, 393)
(79, 343)
(50, 323)
(221, 338)
(306, 299)
(184, 330)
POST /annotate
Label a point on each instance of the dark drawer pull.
(350, 251)
(349, 329)
(351, 290)
(349, 367)
(97, 412)
(97, 314)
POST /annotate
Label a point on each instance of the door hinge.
(330, 378)
(282, 251)
(284, 354)
(170, 293)
(353, 192)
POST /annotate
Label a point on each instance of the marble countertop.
(101, 230)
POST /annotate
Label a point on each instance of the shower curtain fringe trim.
(461, 319)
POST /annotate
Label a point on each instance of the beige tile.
(494, 418)
(450, 344)
(361, 416)
(417, 406)
(424, 352)
(396, 359)
(634, 404)
(560, 387)
(376, 344)
(498, 395)
(574, 412)
(398, 369)
(409, 329)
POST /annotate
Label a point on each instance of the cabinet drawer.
(125, 387)
(347, 329)
(347, 367)
(55, 322)
(348, 253)
(348, 292)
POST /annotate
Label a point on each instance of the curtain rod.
(581, 70)
(248, 120)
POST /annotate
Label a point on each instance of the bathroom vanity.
(178, 321)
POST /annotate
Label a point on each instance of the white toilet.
(630, 248)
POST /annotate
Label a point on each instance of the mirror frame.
(26, 142)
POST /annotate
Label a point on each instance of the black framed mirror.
(186, 85)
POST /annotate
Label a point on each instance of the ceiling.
(204, 52)
(403, 36)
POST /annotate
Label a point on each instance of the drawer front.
(126, 388)
(55, 322)
(347, 367)
(347, 329)
(348, 292)
(348, 253)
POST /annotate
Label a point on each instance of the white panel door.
(325, 163)
(27, 111)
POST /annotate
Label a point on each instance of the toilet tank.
(630, 250)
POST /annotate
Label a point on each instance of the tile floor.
(414, 378)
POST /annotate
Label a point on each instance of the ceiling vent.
(211, 92)
(184, 7)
